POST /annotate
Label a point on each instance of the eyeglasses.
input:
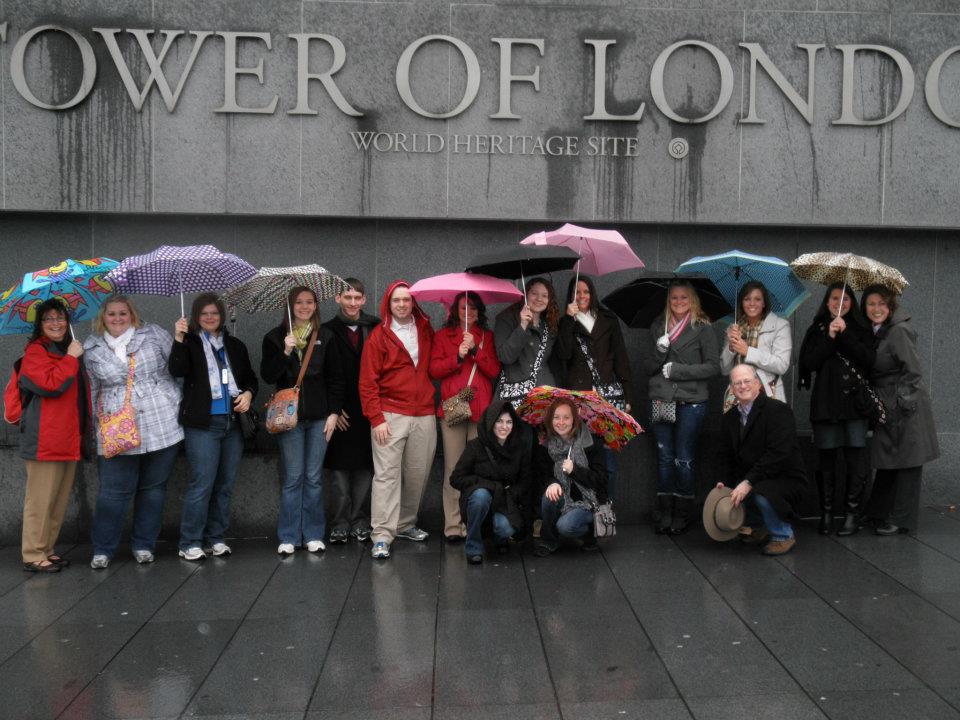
(55, 320)
(743, 383)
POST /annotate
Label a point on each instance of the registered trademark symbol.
(678, 148)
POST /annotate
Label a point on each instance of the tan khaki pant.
(454, 441)
(400, 472)
(45, 504)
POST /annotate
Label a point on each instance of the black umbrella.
(523, 261)
(641, 301)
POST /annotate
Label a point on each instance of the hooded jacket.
(53, 423)
(389, 381)
(503, 470)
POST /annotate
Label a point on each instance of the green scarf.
(302, 334)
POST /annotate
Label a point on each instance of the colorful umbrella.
(641, 301)
(600, 251)
(616, 427)
(268, 288)
(856, 271)
(80, 284)
(170, 270)
(731, 270)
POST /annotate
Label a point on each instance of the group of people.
(367, 416)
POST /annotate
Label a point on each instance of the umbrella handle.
(843, 292)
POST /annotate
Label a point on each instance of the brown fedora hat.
(721, 519)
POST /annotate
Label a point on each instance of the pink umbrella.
(444, 288)
(601, 251)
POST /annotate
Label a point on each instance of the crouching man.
(760, 459)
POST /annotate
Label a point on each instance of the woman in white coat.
(759, 338)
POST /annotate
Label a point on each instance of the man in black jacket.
(761, 461)
(349, 461)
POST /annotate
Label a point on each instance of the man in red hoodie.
(396, 395)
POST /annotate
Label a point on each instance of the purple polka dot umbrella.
(170, 270)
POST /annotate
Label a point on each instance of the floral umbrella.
(616, 427)
(80, 284)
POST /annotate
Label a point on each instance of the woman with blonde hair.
(126, 358)
(683, 359)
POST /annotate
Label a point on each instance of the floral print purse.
(118, 430)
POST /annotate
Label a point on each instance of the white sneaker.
(220, 548)
(316, 546)
(99, 562)
(192, 554)
(285, 549)
(144, 556)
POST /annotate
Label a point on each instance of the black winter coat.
(504, 470)
(350, 449)
(188, 361)
(322, 390)
(767, 454)
(832, 395)
(593, 477)
(607, 349)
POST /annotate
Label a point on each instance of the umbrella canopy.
(523, 261)
(170, 270)
(80, 284)
(600, 251)
(731, 270)
(616, 427)
(641, 301)
(268, 288)
(444, 288)
(857, 271)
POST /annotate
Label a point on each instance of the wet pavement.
(649, 627)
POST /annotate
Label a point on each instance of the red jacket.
(54, 419)
(453, 373)
(389, 381)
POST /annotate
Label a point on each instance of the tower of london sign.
(155, 46)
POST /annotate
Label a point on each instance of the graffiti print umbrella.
(616, 427)
(268, 287)
(170, 270)
(80, 284)
(731, 270)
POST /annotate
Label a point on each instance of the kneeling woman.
(571, 469)
(218, 384)
(493, 478)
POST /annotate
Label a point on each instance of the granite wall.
(378, 251)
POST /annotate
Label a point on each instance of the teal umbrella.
(731, 270)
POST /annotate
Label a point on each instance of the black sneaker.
(361, 534)
(338, 537)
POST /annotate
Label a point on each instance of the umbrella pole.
(180, 268)
(843, 292)
(289, 317)
(72, 336)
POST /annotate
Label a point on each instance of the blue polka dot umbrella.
(171, 269)
(731, 270)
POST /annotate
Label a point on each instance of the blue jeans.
(214, 455)
(572, 524)
(677, 448)
(478, 507)
(760, 511)
(302, 517)
(611, 457)
(141, 477)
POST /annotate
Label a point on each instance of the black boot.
(851, 521)
(825, 485)
(664, 514)
(682, 508)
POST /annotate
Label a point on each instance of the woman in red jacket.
(54, 397)
(463, 354)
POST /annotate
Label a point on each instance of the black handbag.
(249, 423)
(612, 392)
(864, 398)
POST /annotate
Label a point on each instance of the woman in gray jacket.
(684, 358)
(759, 338)
(524, 335)
(908, 439)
